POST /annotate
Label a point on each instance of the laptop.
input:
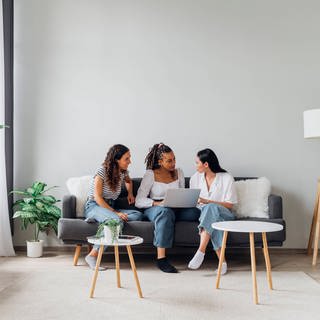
(181, 198)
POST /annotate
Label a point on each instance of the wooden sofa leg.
(77, 254)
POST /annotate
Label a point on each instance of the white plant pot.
(35, 249)
(108, 234)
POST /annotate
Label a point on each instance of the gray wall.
(231, 75)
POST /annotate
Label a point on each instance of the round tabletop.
(120, 242)
(247, 226)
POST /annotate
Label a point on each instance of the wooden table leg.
(316, 243)
(94, 280)
(314, 220)
(77, 254)
(253, 268)
(221, 258)
(267, 259)
(133, 267)
(116, 255)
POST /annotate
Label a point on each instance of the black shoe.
(165, 266)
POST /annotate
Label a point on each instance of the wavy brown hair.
(111, 165)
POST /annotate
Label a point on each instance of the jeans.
(211, 213)
(164, 219)
(100, 214)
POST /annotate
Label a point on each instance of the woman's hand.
(158, 203)
(203, 201)
(131, 198)
(122, 216)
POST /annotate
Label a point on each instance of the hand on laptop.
(158, 203)
(203, 201)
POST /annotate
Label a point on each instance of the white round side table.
(120, 243)
(250, 227)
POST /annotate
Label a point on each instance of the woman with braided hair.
(105, 188)
(161, 174)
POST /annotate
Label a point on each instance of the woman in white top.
(161, 175)
(217, 197)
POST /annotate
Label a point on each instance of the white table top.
(247, 226)
(120, 242)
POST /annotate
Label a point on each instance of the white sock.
(224, 269)
(91, 261)
(196, 261)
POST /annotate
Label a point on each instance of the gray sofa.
(73, 230)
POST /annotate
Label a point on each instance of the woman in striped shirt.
(105, 188)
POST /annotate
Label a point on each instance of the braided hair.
(155, 154)
(111, 165)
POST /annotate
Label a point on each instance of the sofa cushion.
(79, 187)
(186, 232)
(252, 195)
(253, 198)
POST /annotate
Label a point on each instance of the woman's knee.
(135, 216)
(166, 214)
(211, 206)
(210, 209)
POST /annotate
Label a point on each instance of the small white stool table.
(250, 227)
(120, 243)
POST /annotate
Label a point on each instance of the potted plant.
(40, 210)
(110, 229)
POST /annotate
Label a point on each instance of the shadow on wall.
(298, 224)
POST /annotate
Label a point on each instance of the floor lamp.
(311, 120)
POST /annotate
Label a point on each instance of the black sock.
(165, 266)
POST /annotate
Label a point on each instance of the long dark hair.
(155, 154)
(111, 165)
(207, 155)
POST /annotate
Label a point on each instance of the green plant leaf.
(49, 199)
(25, 214)
(28, 207)
(38, 187)
(18, 202)
(28, 200)
(36, 208)
(55, 211)
(40, 205)
(49, 189)
(30, 191)
(20, 192)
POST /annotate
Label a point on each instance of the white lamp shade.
(311, 121)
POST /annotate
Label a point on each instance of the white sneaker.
(223, 269)
(196, 261)
(91, 261)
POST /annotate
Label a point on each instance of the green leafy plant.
(38, 209)
(113, 225)
(2, 126)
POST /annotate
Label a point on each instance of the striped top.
(107, 193)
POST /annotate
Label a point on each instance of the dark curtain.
(8, 95)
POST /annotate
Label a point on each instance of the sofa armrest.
(275, 207)
(69, 206)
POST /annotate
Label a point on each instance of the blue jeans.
(164, 219)
(211, 213)
(100, 214)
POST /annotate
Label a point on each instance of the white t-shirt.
(151, 190)
(222, 188)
